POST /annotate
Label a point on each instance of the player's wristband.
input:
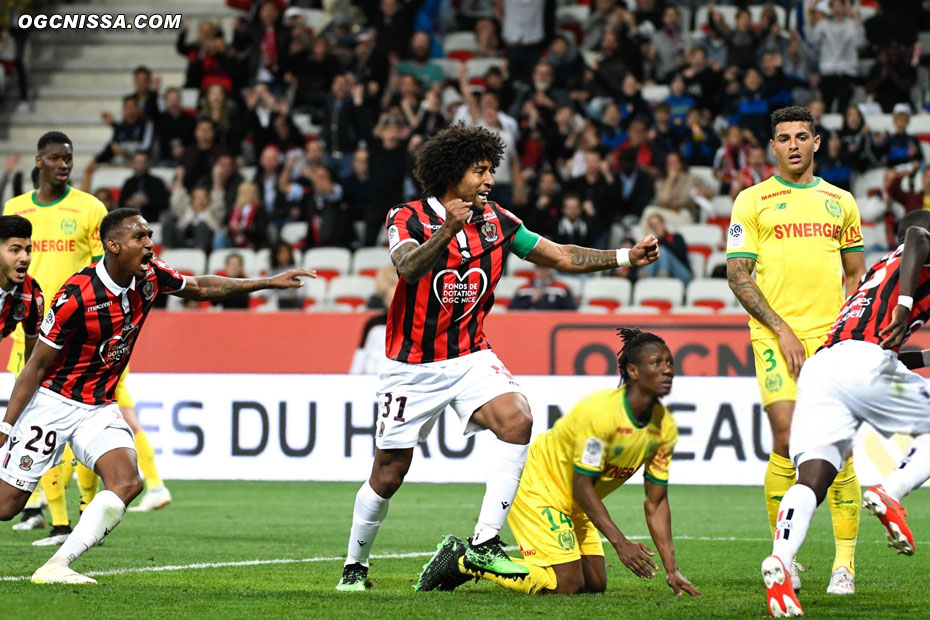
(6, 428)
(623, 257)
(925, 354)
(906, 301)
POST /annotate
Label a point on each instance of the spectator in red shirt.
(757, 170)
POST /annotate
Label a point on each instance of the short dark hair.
(142, 69)
(445, 158)
(919, 218)
(791, 114)
(52, 137)
(113, 219)
(14, 226)
(129, 98)
(633, 341)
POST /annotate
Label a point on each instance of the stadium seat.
(703, 238)
(573, 284)
(698, 263)
(880, 122)
(351, 290)
(637, 310)
(874, 256)
(156, 232)
(314, 20)
(217, 260)
(662, 293)
(314, 293)
(294, 233)
(728, 12)
(328, 262)
(516, 266)
(248, 172)
(189, 261)
(874, 178)
(107, 176)
(367, 261)
(706, 175)
(722, 206)
(919, 125)
(449, 66)
(691, 310)
(461, 40)
(655, 93)
(612, 293)
(832, 121)
(165, 173)
(873, 236)
(713, 293)
(506, 288)
(716, 259)
(736, 310)
(190, 99)
(872, 208)
(589, 309)
(477, 67)
(347, 308)
(572, 14)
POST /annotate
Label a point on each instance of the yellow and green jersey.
(601, 438)
(796, 234)
(65, 237)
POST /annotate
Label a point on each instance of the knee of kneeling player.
(596, 585)
(570, 584)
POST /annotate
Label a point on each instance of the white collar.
(4, 293)
(440, 210)
(108, 282)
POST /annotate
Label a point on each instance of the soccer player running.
(449, 250)
(66, 227)
(858, 376)
(66, 391)
(802, 235)
(558, 515)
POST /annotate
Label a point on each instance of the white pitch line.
(385, 556)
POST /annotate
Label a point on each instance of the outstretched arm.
(659, 520)
(575, 259)
(739, 277)
(206, 288)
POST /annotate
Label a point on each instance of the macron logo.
(62, 300)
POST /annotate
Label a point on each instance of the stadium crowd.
(619, 116)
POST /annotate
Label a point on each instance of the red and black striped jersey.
(441, 315)
(22, 304)
(869, 310)
(95, 323)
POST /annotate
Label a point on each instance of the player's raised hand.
(645, 252)
(792, 349)
(637, 557)
(678, 583)
(291, 278)
(893, 334)
(457, 213)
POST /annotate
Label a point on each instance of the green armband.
(523, 242)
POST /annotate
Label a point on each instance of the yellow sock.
(67, 465)
(844, 499)
(780, 475)
(540, 578)
(55, 496)
(87, 482)
(147, 461)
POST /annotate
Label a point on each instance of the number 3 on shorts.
(768, 356)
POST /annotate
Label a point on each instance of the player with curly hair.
(449, 249)
(558, 515)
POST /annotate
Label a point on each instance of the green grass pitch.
(295, 532)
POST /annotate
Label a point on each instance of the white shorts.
(47, 424)
(413, 396)
(850, 383)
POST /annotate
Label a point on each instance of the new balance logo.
(504, 505)
(362, 543)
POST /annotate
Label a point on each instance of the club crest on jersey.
(19, 311)
(148, 290)
(781, 206)
(833, 208)
(459, 290)
(69, 226)
(772, 382)
(489, 230)
(25, 463)
(566, 539)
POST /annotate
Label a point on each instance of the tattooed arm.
(205, 288)
(415, 261)
(575, 259)
(739, 277)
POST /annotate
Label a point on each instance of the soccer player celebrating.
(66, 225)
(449, 250)
(20, 295)
(858, 377)
(558, 515)
(66, 391)
(801, 235)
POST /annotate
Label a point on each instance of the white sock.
(913, 471)
(795, 514)
(504, 468)
(370, 510)
(100, 517)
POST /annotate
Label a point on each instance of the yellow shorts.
(775, 382)
(17, 361)
(547, 536)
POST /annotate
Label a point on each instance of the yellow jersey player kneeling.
(558, 515)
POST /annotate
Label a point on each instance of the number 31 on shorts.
(386, 406)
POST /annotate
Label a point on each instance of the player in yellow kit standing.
(66, 238)
(802, 235)
(558, 515)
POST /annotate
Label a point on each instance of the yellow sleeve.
(94, 216)
(743, 233)
(851, 235)
(656, 469)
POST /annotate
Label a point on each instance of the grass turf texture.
(722, 538)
